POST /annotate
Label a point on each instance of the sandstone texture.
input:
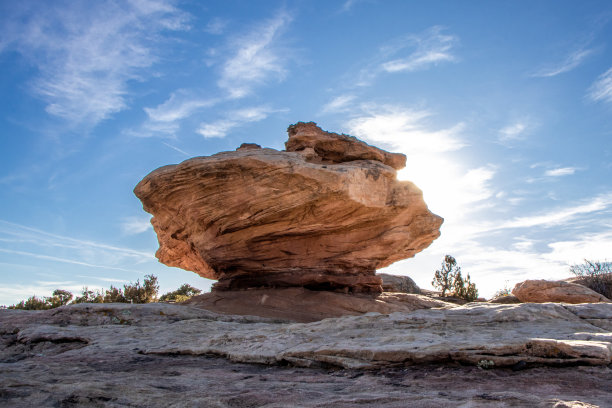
(163, 355)
(506, 300)
(325, 214)
(541, 291)
(397, 283)
(303, 305)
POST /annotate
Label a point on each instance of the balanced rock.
(541, 291)
(324, 215)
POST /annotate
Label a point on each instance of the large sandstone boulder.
(325, 214)
(398, 283)
(541, 291)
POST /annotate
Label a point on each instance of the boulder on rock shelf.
(324, 215)
(303, 305)
(541, 291)
(398, 283)
(505, 300)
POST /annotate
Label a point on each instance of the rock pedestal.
(323, 215)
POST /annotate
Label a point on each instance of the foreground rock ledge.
(325, 214)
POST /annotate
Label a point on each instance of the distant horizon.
(504, 111)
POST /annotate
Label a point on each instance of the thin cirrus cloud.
(255, 58)
(571, 62)
(410, 53)
(234, 119)
(561, 171)
(340, 103)
(601, 90)
(513, 132)
(136, 225)
(86, 53)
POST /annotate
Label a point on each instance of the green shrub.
(184, 292)
(449, 278)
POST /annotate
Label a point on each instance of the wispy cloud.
(559, 216)
(601, 90)
(216, 26)
(561, 171)
(234, 119)
(256, 58)
(410, 53)
(180, 105)
(135, 225)
(513, 132)
(86, 53)
(572, 61)
(338, 104)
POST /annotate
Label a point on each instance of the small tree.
(89, 296)
(449, 278)
(444, 277)
(32, 303)
(114, 295)
(184, 292)
(135, 293)
(59, 298)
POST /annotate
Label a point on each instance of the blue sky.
(503, 108)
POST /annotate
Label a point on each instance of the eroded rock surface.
(162, 355)
(323, 215)
(540, 291)
(303, 305)
(398, 283)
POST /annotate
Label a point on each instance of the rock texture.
(325, 214)
(540, 291)
(164, 355)
(397, 283)
(303, 305)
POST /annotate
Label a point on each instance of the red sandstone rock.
(303, 305)
(540, 291)
(313, 218)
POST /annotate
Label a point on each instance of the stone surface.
(397, 283)
(303, 305)
(540, 291)
(163, 355)
(321, 217)
(505, 300)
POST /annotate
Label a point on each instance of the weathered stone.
(303, 305)
(260, 217)
(505, 300)
(397, 283)
(334, 148)
(160, 355)
(540, 291)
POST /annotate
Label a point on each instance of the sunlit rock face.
(325, 214)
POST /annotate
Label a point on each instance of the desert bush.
(449, 278)
(135, 293)
(596, 275)
(184, 292)
(505, 291)
(89, 296)
(59, 298)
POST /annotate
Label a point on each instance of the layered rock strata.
(324, 215)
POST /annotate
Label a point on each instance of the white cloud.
(559, 216)
(234, 119)
(562, 171)
(179, 106)
(87, 52)
(256, 58)
(340, 103)
(601, 90)
(515, 131)
(216, 26)
(572, 61)
(135, 225)
(411, 53)
(404, 129)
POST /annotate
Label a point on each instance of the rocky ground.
(526, 355)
